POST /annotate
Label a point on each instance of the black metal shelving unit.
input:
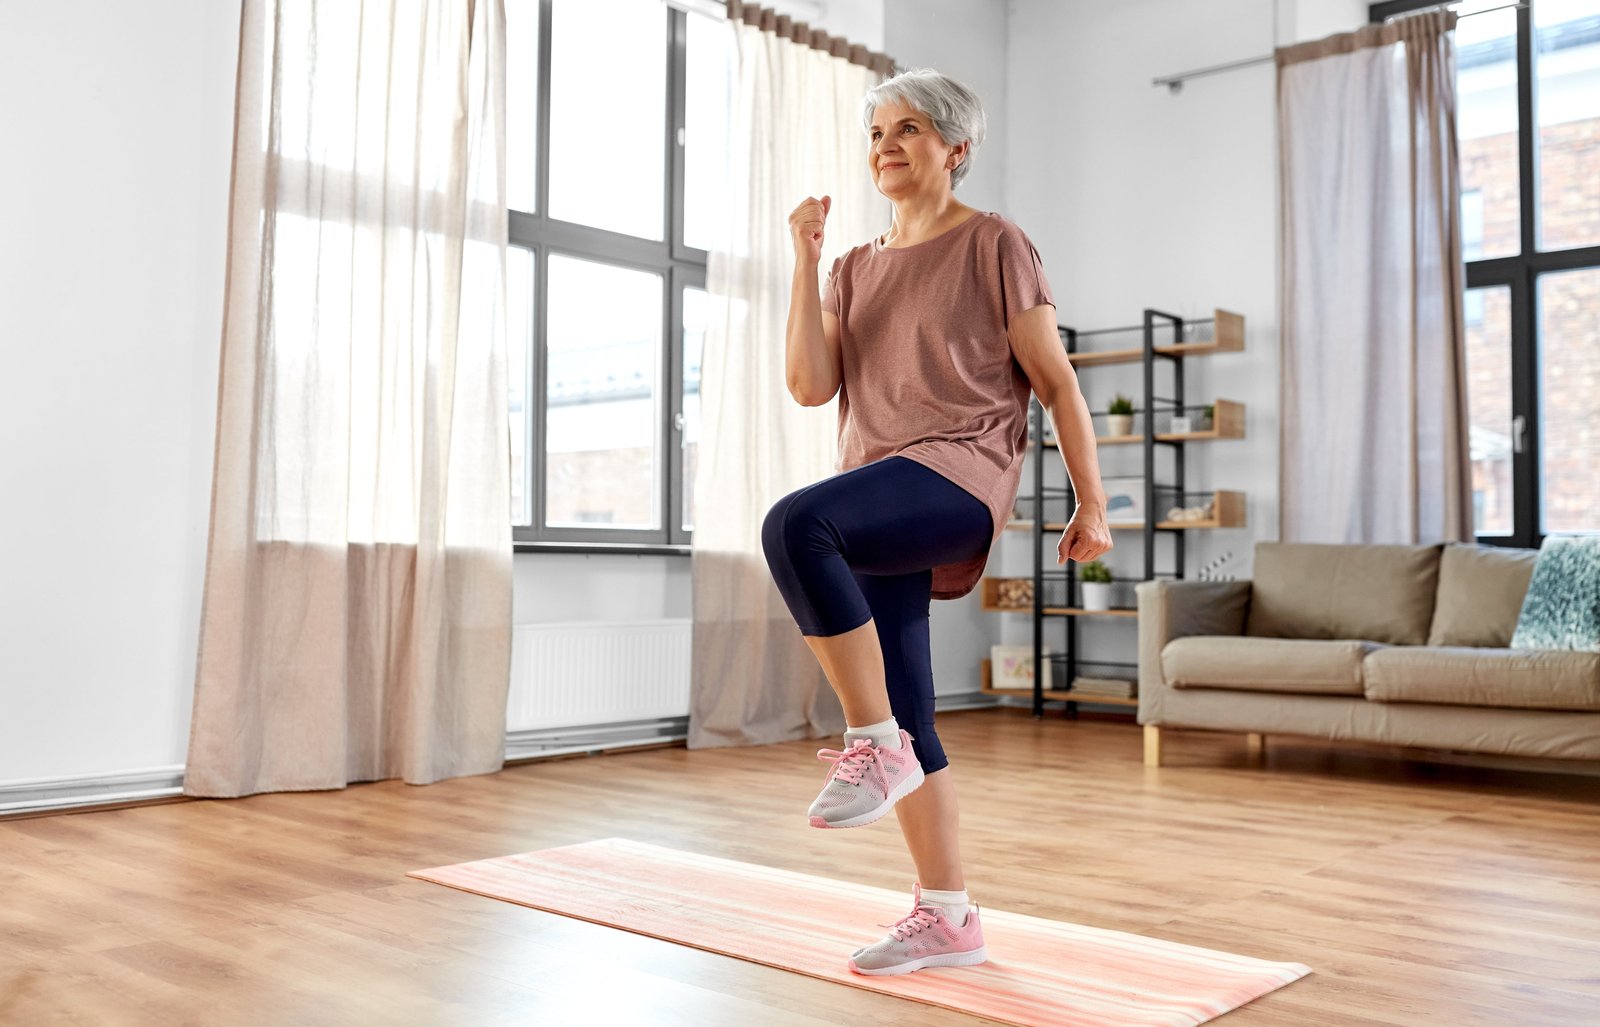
(1063, 583)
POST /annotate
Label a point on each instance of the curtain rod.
(1174, 83)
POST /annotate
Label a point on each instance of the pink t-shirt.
(928, 369)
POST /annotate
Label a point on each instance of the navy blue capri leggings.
(862, 546)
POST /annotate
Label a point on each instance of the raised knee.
(791, 525)
(772, 528)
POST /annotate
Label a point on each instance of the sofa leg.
(1255, 745)
(1152, 745)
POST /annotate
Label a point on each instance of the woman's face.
(906, 155)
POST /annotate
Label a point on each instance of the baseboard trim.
(62, 793)
(969, 701)
(594, 739)
(84, 791)
(90, 791)
(1026, 702)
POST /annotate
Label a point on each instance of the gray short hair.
(955, 110)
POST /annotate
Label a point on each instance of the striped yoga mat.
(1039, 971)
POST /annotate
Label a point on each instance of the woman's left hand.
(1086, 537)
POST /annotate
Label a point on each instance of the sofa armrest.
(1176, 609)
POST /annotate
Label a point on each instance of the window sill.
(586, 548)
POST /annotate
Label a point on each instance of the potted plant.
(1096, 585)
(1120, 415)
(1208, 417)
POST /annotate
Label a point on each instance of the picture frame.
(1011, 666)
(1124, 498)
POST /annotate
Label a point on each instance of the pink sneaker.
(923, 938)
(865, 782)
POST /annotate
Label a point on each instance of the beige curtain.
(795, 132)
(357, 609)
(1373, 397)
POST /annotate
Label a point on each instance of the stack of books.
(1116, 688)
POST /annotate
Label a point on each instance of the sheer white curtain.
(795, 132)
(1373, 398)
(356, 622)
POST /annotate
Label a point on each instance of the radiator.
(586, 673)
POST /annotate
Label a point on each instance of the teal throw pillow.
(1562, 607)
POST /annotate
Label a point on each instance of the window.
(616, 121)
(1488, 339)
(1528, 125)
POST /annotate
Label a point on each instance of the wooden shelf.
(1227, 424)
(1078, 611)
(990, 590)
(1228, 338)
(991, 596)
(1028, 526)
(1229, 514)
(1055, 694)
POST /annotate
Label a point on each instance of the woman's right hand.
(805, 226)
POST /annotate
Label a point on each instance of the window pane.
(519, 345)
(708, 98)
(602, 461)
(1569, 377)
(1566, 63)
(1489, 407)
(694, 334)
(1486, 84)
(608, 114)
(522, 104)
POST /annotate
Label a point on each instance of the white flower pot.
(1097, 594)
(1120, 424)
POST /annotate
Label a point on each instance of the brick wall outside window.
(1570, 322)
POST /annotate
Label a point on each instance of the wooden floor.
(1418, 893)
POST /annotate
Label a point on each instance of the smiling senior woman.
(932, 336)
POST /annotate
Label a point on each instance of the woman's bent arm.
(811, 360)
(1037, 347)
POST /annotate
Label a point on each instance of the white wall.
(965, 39)
(113, 196)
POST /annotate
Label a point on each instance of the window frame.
(680, 267)
(1520, 274)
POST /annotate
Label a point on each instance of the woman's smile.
(905, 153)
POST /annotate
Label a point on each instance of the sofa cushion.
(1310, 590)
(1539, 679)
(1480, 594)
(1562, 607)
(1265, 664)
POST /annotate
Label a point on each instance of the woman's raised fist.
(805, 225)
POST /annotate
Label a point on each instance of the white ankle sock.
(954, 903)
(885, 733)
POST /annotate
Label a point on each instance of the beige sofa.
(1398, 645)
